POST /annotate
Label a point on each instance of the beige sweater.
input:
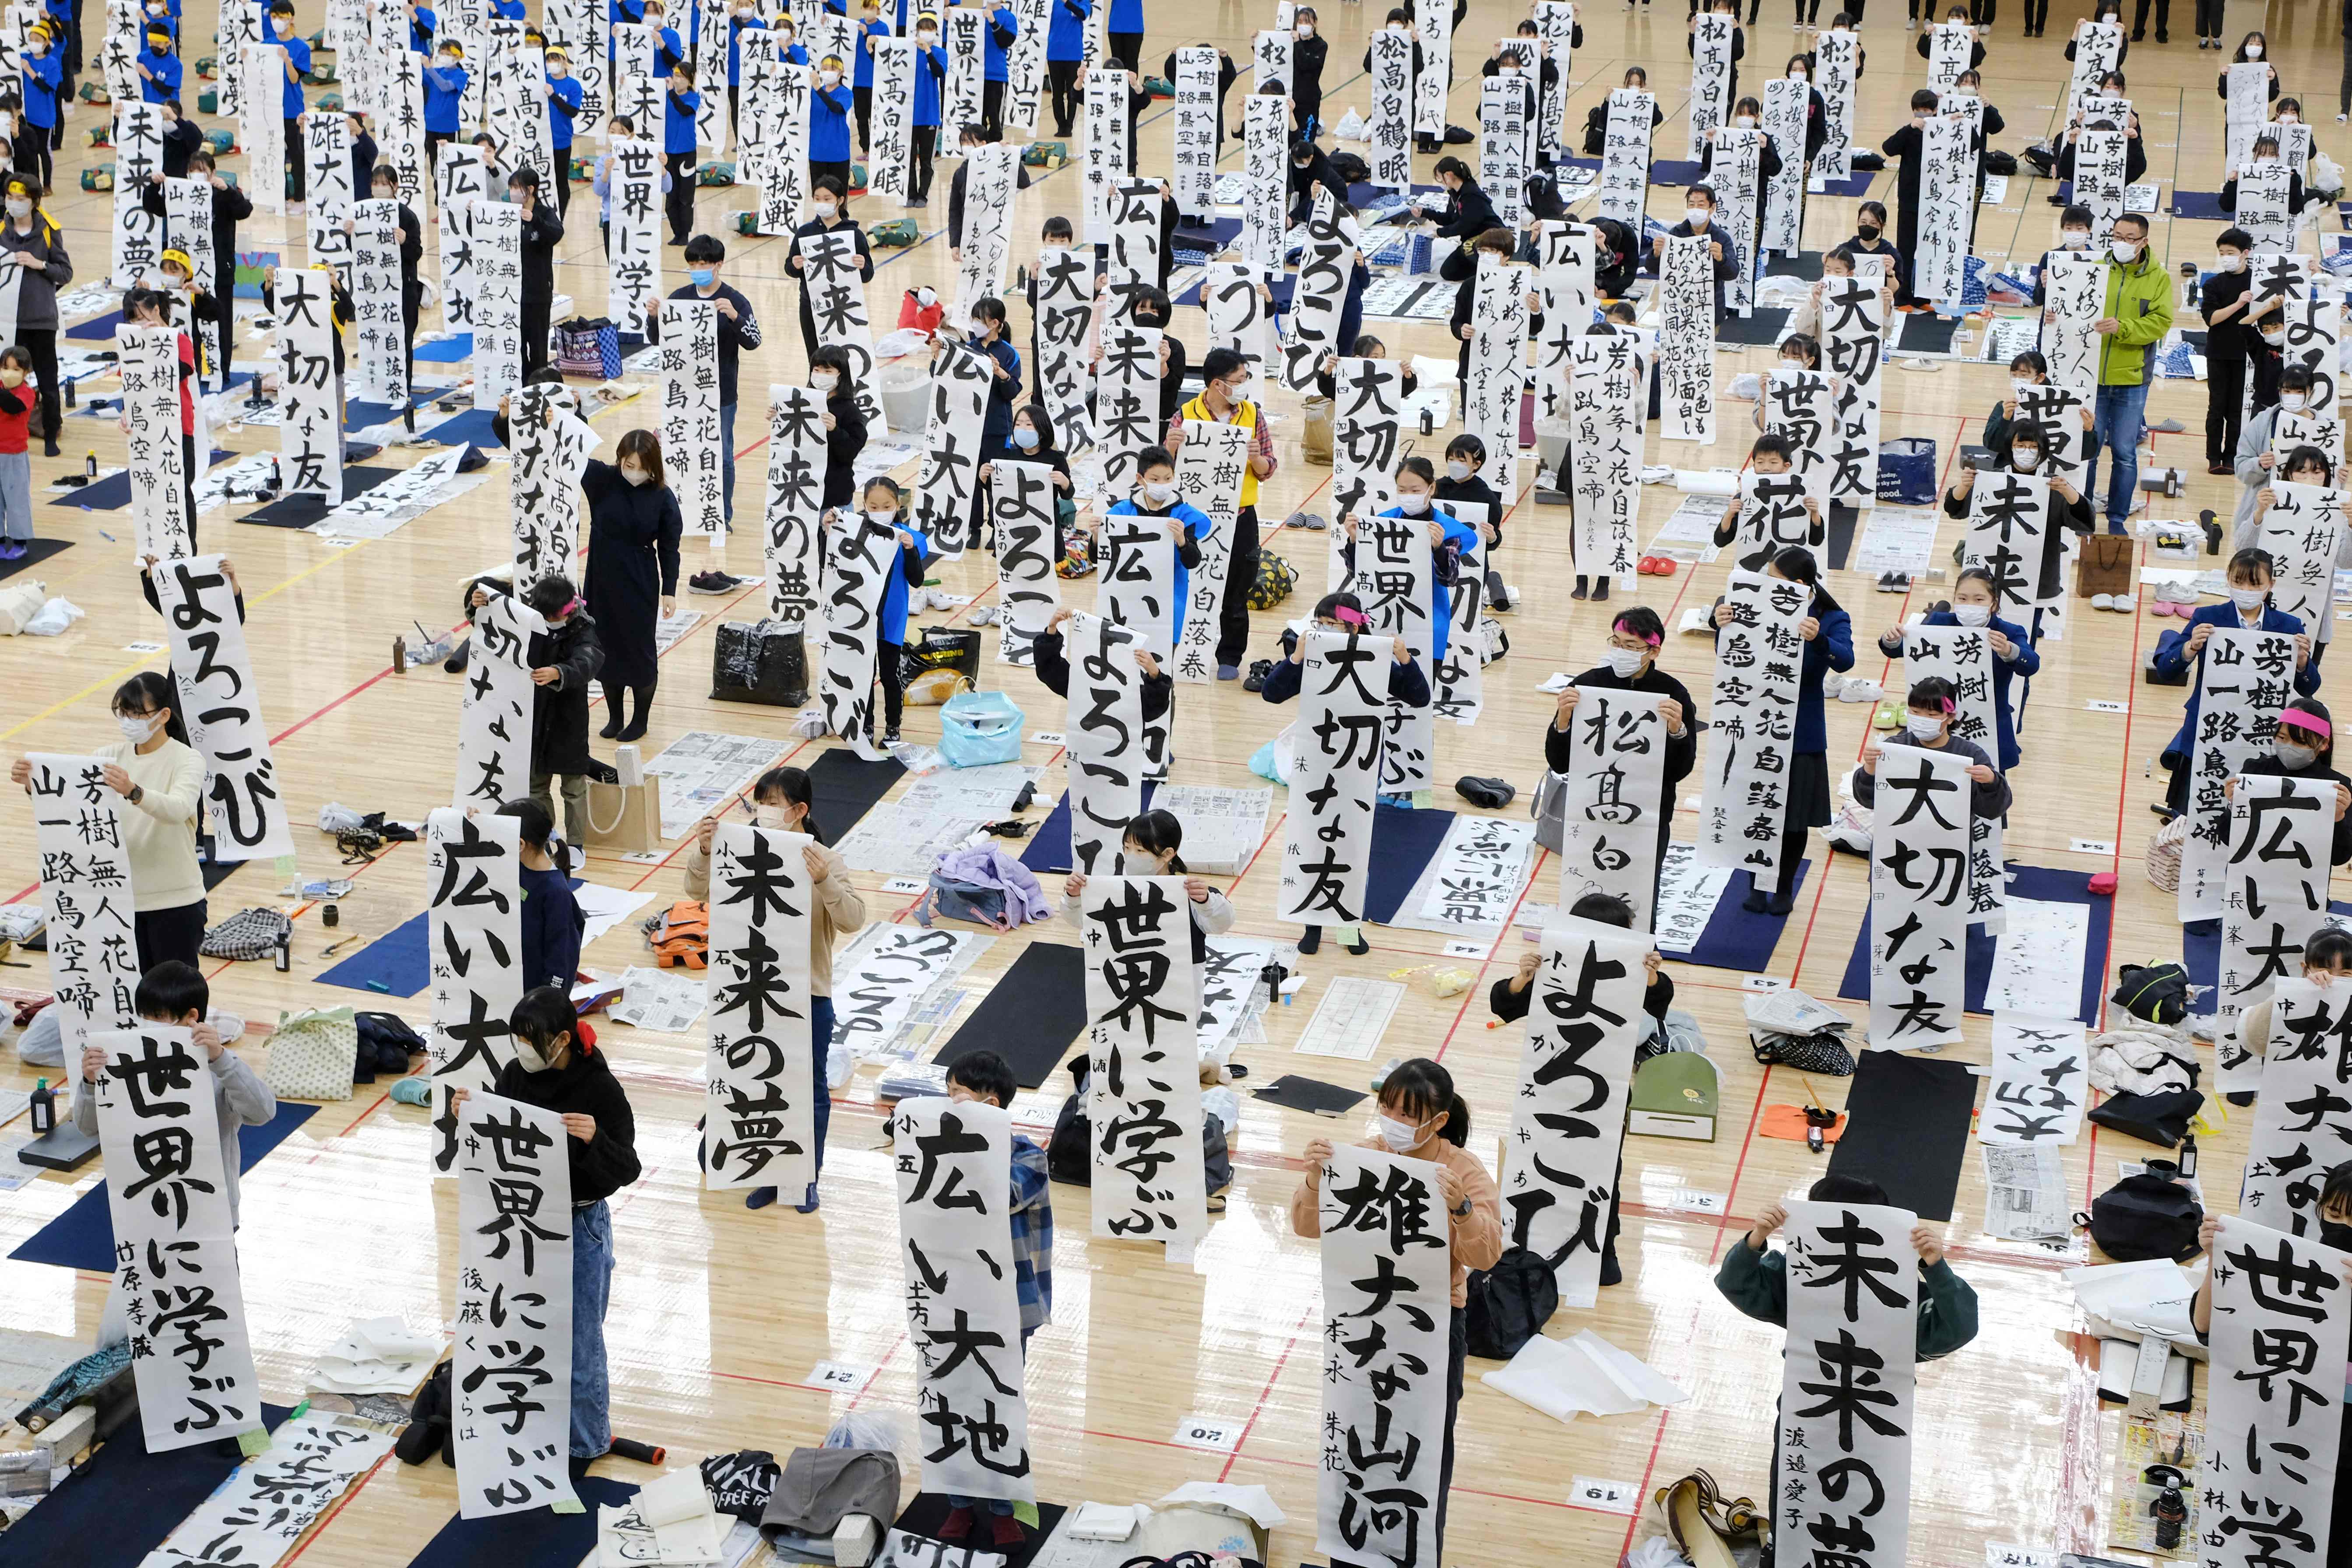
(839, 908)
(159, 834)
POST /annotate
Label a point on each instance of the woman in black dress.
(633, 532)
(831, 378)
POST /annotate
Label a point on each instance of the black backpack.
(1070, 1156)
(1507, 1305)
(2157, 992)
(2146, 1216)
(428, 1430)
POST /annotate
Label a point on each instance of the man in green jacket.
(2138, 315)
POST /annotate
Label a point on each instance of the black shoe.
(636, 732)
(1780, 904)
(1259, 670)
(1310, 939)
(611, 727)
(890, 736)
(1361, 946)
(1583, 589)
(1755, 903)
(712, 583)
(1600, 588)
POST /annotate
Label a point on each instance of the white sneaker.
(2124, 603)
(2103, 601)
(231, 1027)
(1861, 691)
(1833, 684)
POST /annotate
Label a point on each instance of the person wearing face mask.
(1596, 120)
(1934, 705)
(2257, 444)
(1541, 78)
(931, 86)
(1467, 213)
(229, 205)
(1746, 115)
(743, 14)
(552, 922)
(562, 660)
(1827, 632)
(2222, 299)
(1400, 22)
(558, 1068)
(1465, 480)
(2265, 150)
(2013, 653)
(1423, 1117)
(680, 105)
(2026, 451)
(2304, 747)
(152, 307)
(1630, 663)
(783, 800)
(566, 97)
(739, 329)
(294, 63)
(831, 378)
(884, 506)
(2026, 371)
(1906, 144)
(1816, 109)
(1958, 16)
(1225, 398)
(16, 399)
(976, 134)
(828, 214)
(1989, 123)
(1870, 239)
(2137, 315)
(829, 110)
(1308, 51)
(2252, 48)
(1148, 848)
(445, 92)
(2305, 465)
(1151, 310)
(542, 231)
(1310, 170)
(619, 128)
(1154, 498)
(870, 27)
(38, 79)
(159, 72)
(1461, 268)
(634, 529)
(1453, 544)
(2251, 575)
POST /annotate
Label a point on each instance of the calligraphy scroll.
(783, 177)
(762, 120)
(1320, 294)
(1802, 404)
(857, 565)
(2273, 901)
(1505, 154)
(1788, 109)
(966, 38)
(1686, 340)
(1710, 101)
(1498, 375)
(474, 954)
(1626, 156)
(2074, 298)
(1947, 195)
(1105, 739)
(1265, 174)
(498, 303)
(963, 1305)
(1772, 516)
(2293, 138)
(86, 896)
(889, 167)
(2058, 411)
(1752, 726)
(149, 361)
(1138, 586)
(217, 696)
(1327, 833)
(1964, 655)
(1367, 423)
(988, 176)
(175, 1271)
(310, 404)
(2314, 317)
(1064, 308)
(1564, 268)
(1853, 342)
(1949, 45)
(2263, 210)
(1133, 265)
(494, 760)
(2275, 1415)
(1434, 30)
(240, 25)
(1143, 1054)
(1837, 55)
(1024, 65)
(578, 28)
(1919, 897)
(1395, 578)
(2099, 49)
(634, 259)
(1105, 151)
(510, 1380)
(2303, 1124)
(1021, 505)
(761, 1129)
(1458, 684)
(1126, 403)
(2288, 431)
(1209, 471)
(261, 130)
(1847, 1382)
(798, 462)
(836, 291)
(2302, 530)
(327, 153)
(2040, 1082)
(1608, 397)
(138, 234)
(1388, 1281)
(691, 435)
(550, 445)
(1556, 23)
(1738, 179)
(187, 225)
(1239, 317)
(945, 489)
(2243, 683)
(2101, 179)
(2245, 91)
(379, 367)
(458, 187)
(1192, 170)
(1611, 797)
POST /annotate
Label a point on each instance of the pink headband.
(1619, 626)
(1348, 617)
(2303, 719)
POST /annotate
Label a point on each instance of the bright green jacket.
(2140, 296)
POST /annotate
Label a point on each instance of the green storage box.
(1675, 1097)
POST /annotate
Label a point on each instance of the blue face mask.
(1025, 439)
(701, 275)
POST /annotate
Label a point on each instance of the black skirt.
(1811, 804)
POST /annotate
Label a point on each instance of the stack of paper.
(377, 1355)
(1587, 1373)
(670, 1523)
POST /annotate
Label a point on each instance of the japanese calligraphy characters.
(1266, 164)
(1108, 152)
(1270, 56)
(1838, 56)
(1143, 1054)
(2040, 1082)
(1559, 1161)
(2243, 685)
(634, 166)
(2099, 49)
(2288, 431)
(174, 1238)
(1320, 293)
(1138, 588)
(889, 169)
(1772, 516)
(474, 937)
(1964, 655)
(218, 697)
(1505, 157)
(2102, 178)
(836, 299)
(1787, 105)
(149, 359)
(138, 234)
(1556, 22)
(690, 425)
(458, 186)
(310, 401)
(946, 488)
(1021, 508)
(1328, 835)
(797, 464)
(761, 1126)
(1752, 726)
(498, 303)
(2246, 90)
(1458, 685)
(1208, 478)
(1367, 420)
(578, 28)
(260, 132)
(987, 209)
(240, 25)
(1614, 792)
(187, 225)
(2303, 1124)
(1710, 105)
(2074, 298)
(552, 445)
(2275, 1416)
(1686, 340)
(1126, 403)
(510, 1381)
(1564, 263)
(1106, 739)
(1391, 112)
(782, 176)
(1498, 371)
(2058, 411)
(2302, 529)
(379, 367)
(859, 556)
(1024, 66)
(1395, 577)
(1065, 305)
(1626, 156)
(1387, 1280)
(1847, 1381)
(1235, 299)
(494, 732)
(1608, 386)
(86, 895)
(1853, 342)
(1192, 174)
(327, 153)
(265, 1508)
(1434, 30)
(963, 1307)
(1947, 195)
(2273, 901)
(2314, 313)
(1134, 259)
(967, 49)
(1803, 405)
(1919, 897)
(1949, 47)
(1739, 207)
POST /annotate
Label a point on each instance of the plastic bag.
(53, 618)
(866, 1429)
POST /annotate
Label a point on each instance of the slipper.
(2162, 607)
(1666, 564)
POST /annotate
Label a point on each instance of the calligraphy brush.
(1819, 1119)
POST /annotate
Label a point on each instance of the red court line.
(1265, 1393)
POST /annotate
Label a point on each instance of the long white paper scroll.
(1564, 264)
(1126, 404)
(261, 130)
(1270, 61)
(1024, 65)
(1192, 170)
(217, 695)
(149, 360)
(188, 225)
(1387, 1280)
(2275, 1415)
(797, 464)
(1919, 897)
(327, 152)
(966, 43)
(138, 234)
(511, 1378)
(1838, 57)
(1209, 471)
(578, 28)
(1611, 797)
(175, 1272)
(2040, 1082)
(1686, 340)
(1063, 306)
(1787, 106)
(1394, 577)
(380, 367)
(1854, 344)
(963, 1307)
(474, 937)
(1434, 30)
(1498, 374)
(1265, 174)
(458, 186)
(989, 182)
(1505, 154)
(1608, 387)
(310, 402)
(1318, 295)
(2273, 901)
(949, 480)
(1367, 423)
(1143, 1079)
(1568, 1122)
(2102, 178)
(1710, 101)
(264, 1508)
(2264, 208)
(836, 296)
(2303, 1124)
(1328, 834)
(1556, 23)
(2245, 680)
(1105, 151)
(859, 557)
(1947, 195)
(1752, 726)
(1803, 405)
(1105, 739)
(1138, 586)
(1847, 1382)
(550, 445)
(2099, 49)
(889, 167)
(2058, 410)
(2245, 91)
(1020, 506)
(1626, 156)
(2073, 292)
(1772, 516)
(1738, 179)
(494, 732)
(634, 167)
(783, 173)
(1964, 655)
(2302, 530)
(761, 1129)
(86, 896)
(690, 432)
(1949, 45)
(1134, 258)
(498, 303)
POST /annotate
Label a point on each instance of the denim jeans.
(591, 1292)
(820, 1048)
(2120, 417)
(16, 496)
(726, 460)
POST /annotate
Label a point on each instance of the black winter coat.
(633, 534)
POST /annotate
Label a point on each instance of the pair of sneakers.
(1894, 582)
(2122, 604)
(2174, 599)
(1852, 689)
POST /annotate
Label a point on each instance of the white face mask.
(1398, 1136)
(18, 207)
(1457, 472)
(139, 728)
(1973, 615)
(530, 1056)
(2248, 599)
(2274, 338)
(830, 78)
(2229, 264)
(2124, 250)
(824, 209)
(1697, 217)
(2292, 401)
(881, 519)
(1744, 122)
(1412, 505)
(824, 380)
(1796, 76)
(1624, 663)
(634, 474)
(775, 817)
(978, 328)
(2289, 118)
(2024, 459)
(1304, 31)
(1159, 494)
(2075, 238)
(1924, 726)
(2253, 52)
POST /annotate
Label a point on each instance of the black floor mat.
(1030, 1016)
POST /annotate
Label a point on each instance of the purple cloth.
(985, 866)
